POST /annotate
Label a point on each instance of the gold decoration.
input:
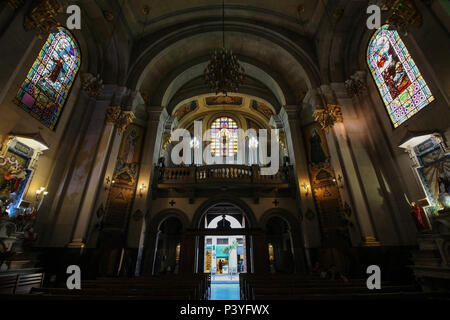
(125, 119)
(92, 85)
(146, 10)
(282, 142)
(355, 86)
(371, 242)
(15, 4)
(401, 14)
(42, 17)
(166, 140)
(328, 116)
(113, 113)
(108, 15)
(120, 119)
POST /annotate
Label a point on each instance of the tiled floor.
(225, 291)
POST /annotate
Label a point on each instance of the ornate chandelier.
(224, 73)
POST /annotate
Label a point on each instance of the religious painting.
(13, 173)
(324, 187)
(47, 85)
(262, 109)
(224, 100)
(435, 173)
(185, 109)
(318, 154)
(401, 85)
(129, 156)
(123, 189)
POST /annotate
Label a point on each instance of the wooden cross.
(276, 202)
(172, 203)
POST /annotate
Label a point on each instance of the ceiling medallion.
(328, 116)
(224, 73)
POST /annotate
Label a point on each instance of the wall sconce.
(142, 187)
(306, 187)
(40, 191)
(339, 182)
(108, 180)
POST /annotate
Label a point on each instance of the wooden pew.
(20, 283)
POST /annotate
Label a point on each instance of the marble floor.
(229, 291)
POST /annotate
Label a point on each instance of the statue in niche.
(224, 224)
(419, 217)
(317, 154)
(130, 145)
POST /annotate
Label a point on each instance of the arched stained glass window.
(399, 81)
(224, 137)
(47, 85)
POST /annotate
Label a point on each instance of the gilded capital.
(120, 119)
(42, 16)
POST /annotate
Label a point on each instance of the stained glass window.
(224, 137)
(402, 87)
(47, 85)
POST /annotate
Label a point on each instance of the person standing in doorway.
(220, 266)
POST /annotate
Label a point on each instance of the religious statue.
(14, 177)
(130, 146)
(317, 153)
(419, 217)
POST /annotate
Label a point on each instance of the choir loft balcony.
(239, 180)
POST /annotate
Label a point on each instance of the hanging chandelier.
(224, 73)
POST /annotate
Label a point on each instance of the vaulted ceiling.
(287, 46)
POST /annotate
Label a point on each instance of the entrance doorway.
(225, 250)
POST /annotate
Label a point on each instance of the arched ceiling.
(286, 48)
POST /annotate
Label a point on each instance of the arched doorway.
(225, 249)
(279, 243)
(284, 242)
(168, 247)
(163, 243)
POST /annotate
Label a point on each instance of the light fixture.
(107, 180)
(142, 187)
(224, 73)
(40, 191)
(306, 187)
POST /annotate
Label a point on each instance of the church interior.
(224, 150)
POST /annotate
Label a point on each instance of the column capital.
(120, 119)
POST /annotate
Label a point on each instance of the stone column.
(298, 156)
(96, 184)
(346, 164)
(157, 117)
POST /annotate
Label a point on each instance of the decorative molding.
(42, 17)
(401, 14)
(356, 85)
(370, 241)
(93, 85)
(327, 117)
(15, 4)
(120, 119)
